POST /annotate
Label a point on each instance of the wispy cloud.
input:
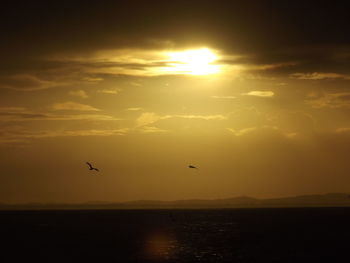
(260, 93)
(136, 84)
(79, 93)
(109, 132)
(272, 66)
(20, 134)
(291, 135)
(114, 91)
(21, 114)
(25, 82)
(224, 97)
(330, 100)
(201, 117)
(343, 130)
(134, 109)
(241, 131)
(319, 76)
(92, 79)
(147, 118)
(265, 129)
(74, 106)
(12, 109)
(76, 117)
(151, 129)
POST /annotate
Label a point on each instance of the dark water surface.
(235, 235)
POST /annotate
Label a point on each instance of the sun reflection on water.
(160, 246)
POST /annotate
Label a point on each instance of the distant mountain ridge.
(322, 200)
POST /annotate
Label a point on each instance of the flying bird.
(91, 168)
(191, 166)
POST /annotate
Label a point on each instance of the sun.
(193, 62)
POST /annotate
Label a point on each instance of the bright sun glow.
(193, 62)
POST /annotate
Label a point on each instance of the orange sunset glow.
(254, 95)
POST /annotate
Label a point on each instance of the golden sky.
(255, 94)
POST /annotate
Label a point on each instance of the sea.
(166, 235)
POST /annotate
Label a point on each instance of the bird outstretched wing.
(89, 164)
(91, 167)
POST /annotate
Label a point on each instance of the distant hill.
(325, 200)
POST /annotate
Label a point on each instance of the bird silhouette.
(191, 166)
(90, 167)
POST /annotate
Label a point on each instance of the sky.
(254, 93)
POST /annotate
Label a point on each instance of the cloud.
(247, 117)
(12, 109)
(92, 79)
(147, 118)
(132, 62)
(263, 130)
(257, 93)
(20, 134)
(114, 91)
(281, 84)
(77, 117)
(271, 66)
(70, 105)
(319, 76)
(224, 97)
(25, 82)
(293, 121)
(79, 93)
(220, 20)
(343, 130)
(18, 114)
(291, 135)
(110, 132)
(22, 114)
(152, 129)
(330, 100)
(134, 109)
(241, 131)
(201, 117)
(136, 84)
